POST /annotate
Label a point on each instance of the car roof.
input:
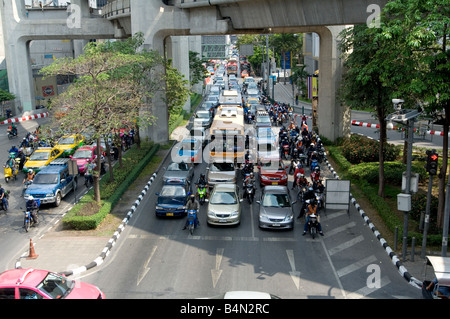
(28, 277)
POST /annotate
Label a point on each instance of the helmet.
(310, 188)
(30, 197)
(30, 171)
(202, 175)
(251, 174)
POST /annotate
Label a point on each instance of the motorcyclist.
(13, 129)
(312, 209)
(192, 204)
(32, 207)
(28, 178)
(11, 163)
(309, 194)
(22, 158)
(315, 175)
(14, 149)
(284, 143)
(3, 198)
(298, 170)
(202, 181)
(318, 186)
(302, 181)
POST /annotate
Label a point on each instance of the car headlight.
(263, 217)
(182, 207)
(284, 177)
(234, 214)
(289, 218)
(264, 178)
(159, 207)
(211, 214)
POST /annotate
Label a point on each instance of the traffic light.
(432, 162)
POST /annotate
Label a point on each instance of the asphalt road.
(13, 237)
(156, 259)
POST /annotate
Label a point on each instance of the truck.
(53, 182)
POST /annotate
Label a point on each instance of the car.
(82, 155)
(252, 101)
(252, 86)
(275, 208)
(248, 79)
(203, 118)
(199, 133)
(178, 173)
(52, 183)
(224, 172)
(272, 172)
(41, 157)
(244, 74)
(262, 120)
(224, 205)
(172, 200)
(220, 83)
(267, 149)
(214, 99)
(252, 93)
(189, 150)
(68, 144)
(33, 283)
(266, 133)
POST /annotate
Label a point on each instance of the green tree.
(286, 42)
(196, 68)
(365, 60)
(419, 32)
(6, 96)
(104, 96)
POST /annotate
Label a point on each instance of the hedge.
(363, 175)
(74, 220)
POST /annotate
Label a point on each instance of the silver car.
(221, 173)
(224, 205)
(203, 119)
(275, 208)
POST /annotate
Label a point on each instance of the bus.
(230, 98)
(227, 135)
(232, 67)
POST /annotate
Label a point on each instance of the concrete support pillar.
(333, 118)
(178, 51)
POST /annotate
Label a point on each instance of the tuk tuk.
(438, 288)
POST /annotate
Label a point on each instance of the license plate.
(276, 224)
(275, 183)
(222, 220)
(169, 214)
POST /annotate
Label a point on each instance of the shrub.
(358, 149)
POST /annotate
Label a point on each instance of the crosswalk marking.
(364, 291)
(345, 245)
(355, 266)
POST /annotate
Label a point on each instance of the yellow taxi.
(252, 101)
(68, 144)
(41, 157)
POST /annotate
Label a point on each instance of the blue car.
(172, 200)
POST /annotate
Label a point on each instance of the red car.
(272, 172)
(41, 284)
(83, 154)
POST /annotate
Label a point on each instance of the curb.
(25, 118)
(105, 252)
(395, 260)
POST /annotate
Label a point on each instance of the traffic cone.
(32, 254)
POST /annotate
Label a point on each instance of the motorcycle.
(249, 192)
(279, 121)
(201, 193)
(313, 225)
(10, 173)
(192, 221)
(314, 164)
(247, 168)
(285, 151)
(11, 133)
(320, 200)
(322, 155)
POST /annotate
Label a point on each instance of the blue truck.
(52, 183)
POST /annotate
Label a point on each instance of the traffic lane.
(162, 255)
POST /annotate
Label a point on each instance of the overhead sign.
(287, 61)
(246, 49)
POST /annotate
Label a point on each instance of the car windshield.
(173, 191)
(266, 147)
(81, 154)
(39, 156)
(68, 140)
(276, 200)
(189, 145)
(178, 167)
(271, 165)
(223, 198)
(46, 179)
(221, 167)
(202, 115)
(56, 286)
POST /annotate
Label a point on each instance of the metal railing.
(116, 8)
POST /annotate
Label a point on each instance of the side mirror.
(294, 202)
(206, 200)
(157, 194)
(258, 202)
(241, 200)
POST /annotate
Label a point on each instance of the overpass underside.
(160, 20)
